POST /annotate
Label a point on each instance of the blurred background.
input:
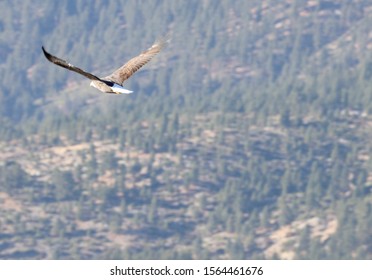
(248, 137)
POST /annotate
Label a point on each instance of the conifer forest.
(248, 137)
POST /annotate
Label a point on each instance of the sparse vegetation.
(250, 139)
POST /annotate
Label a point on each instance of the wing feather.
(69, 66)
(129, 68)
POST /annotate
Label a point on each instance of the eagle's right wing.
(69, 66)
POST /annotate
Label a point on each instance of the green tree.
(64, 184)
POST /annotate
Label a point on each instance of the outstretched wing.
(128, 69)
(68, 66)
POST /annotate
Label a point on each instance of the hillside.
(248, 137)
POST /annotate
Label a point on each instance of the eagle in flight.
(114, 82)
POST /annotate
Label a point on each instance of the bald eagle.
(114, 82)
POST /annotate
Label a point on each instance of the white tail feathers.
(119, 89)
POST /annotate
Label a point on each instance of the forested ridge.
(248, 137)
